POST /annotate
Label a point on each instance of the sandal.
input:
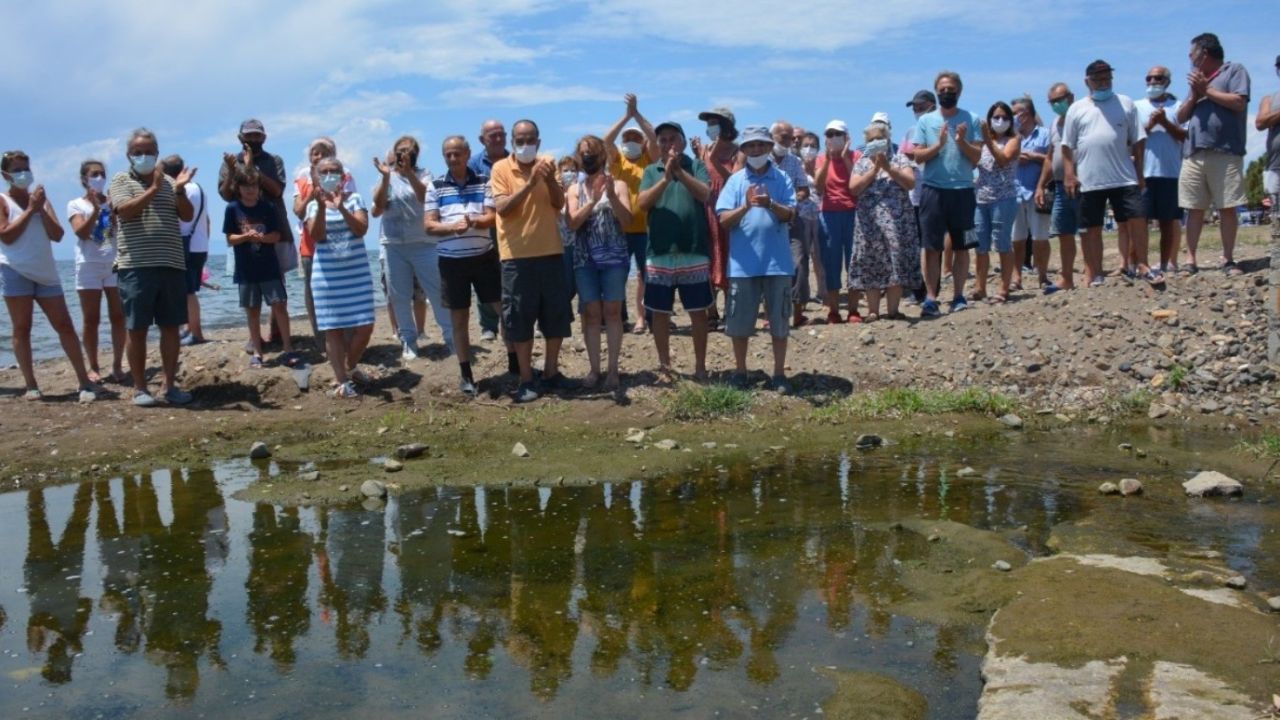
(346, 390)
(1188, 270)
(363, 377)
(1154, 277)
(978, 295)
(997, 299)
(33, 394)
(255, 362)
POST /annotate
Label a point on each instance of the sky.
(80, 76)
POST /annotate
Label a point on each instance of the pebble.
(1274, 603)
(709, 445)
(391, 466)
(1011, 421)
(1158, 410)
(1130, 486)
(966, 471)
(635, 435)
(309, 476)
(373, 489)
(1109, 488)
(344, 488)
(519, 450)
(1002, 566)
(1237, 582)
(259, 451)
(412, 450)
(667, 444)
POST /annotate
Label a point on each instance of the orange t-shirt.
(531, 229)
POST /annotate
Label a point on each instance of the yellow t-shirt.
(531, 229)
(630, 173)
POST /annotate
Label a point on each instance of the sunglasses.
(834, 134)
(1157, 78)
(1060, 98)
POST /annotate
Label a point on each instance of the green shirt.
(678, 222)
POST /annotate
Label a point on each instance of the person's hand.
(962, 131)
(881, 161)
(1198, 82)
(986, 131)
(1142, 183)
(92, 197)
(673, 165)
(157, 179)
(404, 167)
(38, 198)
(331, 199)
(317, 193)
(1039, 197)
(943, 136)
(463, 224)
(545, 170)
(247, 156)
(230, 160)
(695, 144)
(184, 177)
(758, 196)
(382, 167)
(1073, 186)
(630, 100)
(1158, 117)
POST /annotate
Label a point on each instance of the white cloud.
(524, 95)
(64, 162)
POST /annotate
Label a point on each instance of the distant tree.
(1253, 183)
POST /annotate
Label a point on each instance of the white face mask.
(879, 146)
(808, 152)
(835, 143)
(98, 183)
(526, 153)
(758, 161)
(780, 150)
(999, 125)
(713, 132)
(632, 150)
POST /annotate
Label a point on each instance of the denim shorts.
(255, 294)
(993, 223)
(1065, 219)
(15, 284)
(600, 284)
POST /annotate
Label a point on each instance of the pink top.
(835, 194)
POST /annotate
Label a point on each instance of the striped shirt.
(453, 202)
(151, 239)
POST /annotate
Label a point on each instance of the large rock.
(667, 444)
(867, 441)
(412, 450)
(1130, 486)
(391, 466)
(373, 489)
(259, 451)
(519, 450)
(1011, 421)
(1212, 482)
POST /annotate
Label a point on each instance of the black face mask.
(254, 147)
(590, 163)
(948, 99)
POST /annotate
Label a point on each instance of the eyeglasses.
(1060, 98)
(834, 134)
(1157, 78)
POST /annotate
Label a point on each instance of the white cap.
(838, 125)
(880, 117)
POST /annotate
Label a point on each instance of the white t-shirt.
(1100, 136)
(100, 248)
(198, 228)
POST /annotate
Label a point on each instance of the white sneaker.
(410, 353)
(87, 395)
(143, 399)
(488, 336)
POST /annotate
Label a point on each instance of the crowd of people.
(744, 213)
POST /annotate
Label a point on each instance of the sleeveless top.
(995, 183)
(600, 241)
(1273, 138)
(31, 255)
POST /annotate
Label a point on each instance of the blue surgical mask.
(329, 182)
(1102, 95)
(20, 180)
(876, 147)
(1060, 107)
(143, 164)
(713, 132)
(1155, 91)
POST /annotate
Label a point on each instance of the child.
(93, 223)
(250, 227)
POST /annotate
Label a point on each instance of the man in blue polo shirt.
(1162, 162)
(493, 138)
(755, 206)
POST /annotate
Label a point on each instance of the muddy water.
(730, 590)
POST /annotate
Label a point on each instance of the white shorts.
(1271, 182)
(94, 276)
(1027, 216)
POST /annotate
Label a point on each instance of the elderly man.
(1030, 221)
(674, 191)
(493, 143)
(1064, 215)
(529, 199)
(627, 163)
(151, 262)
(1268, 119)
(803, 231)
(1102, 153)
(755, 206)
(1214, 111)
(1162, 162)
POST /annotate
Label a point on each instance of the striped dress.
(340, 278)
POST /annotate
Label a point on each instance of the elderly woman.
(722, 158)
(340, 278)
(997, 191)
(599, 209)
(410, 252)
(886, 246)
(303, 182)
(28, 276)
(833, 171)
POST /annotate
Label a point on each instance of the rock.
(1125, 447)
(635, 435)
(1140, 453)
(1274, 603)
(1236, 582)
(709, 445)
(373, 489)
(1210, 483)
(343, 488)
(667, 444)
(412, 450)
(391, 466)
(1130, 486)
(1164, 314)
(309, 476)
(519, 450)
(867, 441)
(259, 451)
(1209, 406)
(1146, 372)
(1002, 566)
(1158, 410)
(966, 471)
(1109, 488)
(1011, 421)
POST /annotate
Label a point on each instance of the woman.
(94, 225)
(599, 208)
(810, 211)
(833, 170)
(410, 252)
(340, 276)
(886, 246)
(722, 159)
(303, 183)
(568, 166)
(28, 275)
(997, 192)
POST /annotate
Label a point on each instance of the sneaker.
(557, 382)
(468, 388)
(189, 340)
(1098, 282)
(525, 393)
(408, 352)
(854, 317)
(87, 395)
(33, 394)
(488, 336)
(959, 304)
(143, 399)
(780, 385)
(929, 308)
(255, 362)
(1049, 288)
(176, 396)
(740, 380)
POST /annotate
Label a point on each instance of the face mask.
(920, 114)
(877, 147)
(526, 153)
(1102, 95)
(143, 164)
(98, 184)
(1155, 91)
(780, 150)
(567, 177)
(20, 180)
(999, 125)
(254, 147)
(329, 182)
(948, 98)
(713, 132)
(835, 143)
(632, 150)
(758, 161)
(808, 153)
(1060, 107)
(590, 163)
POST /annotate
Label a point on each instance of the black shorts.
(947, 212)
(534, 291)
(1160, 199)
(459, 275)
(1126, 203)
(195, 271)
(153, 295)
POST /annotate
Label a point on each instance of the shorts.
(600, 284)
(947, 212)
(254, 294)
(1160, 199)
(1126, 203)
(743, 302)
(153, 296)
(195, 270)
(1065, 216)
(15, 284)
(694, 296)
(994, 225)
(459, 275)
(1028, 221)
(534, 291)
(637, 246)
(94, 276)
(1210, 177)
(1271, 182)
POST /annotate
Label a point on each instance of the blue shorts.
(1065, 218)
(637, 245)
(994, 225)
(15, 284)
(694, 296)
(600, 284)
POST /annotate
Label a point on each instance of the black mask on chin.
(948, 99)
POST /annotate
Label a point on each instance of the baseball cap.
(755, 133)
(881, 117)
(1098, 67)
(839, 126)
(669, 124)
(923, 96)
(718, 112)
(252, 125)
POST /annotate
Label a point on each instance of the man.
(529, 199)
(1102, 154)
(755, 206)
(801, 231)
(921, 104)
(1029, 221)
(1162, 162)
(948, 143)
(271, 183)
(1214, 112)
(674, 192)
(1064, 217)
(195, 240)
(460, 212)
(493, 140)
(1269, 119)
(151, 262)
(628, 164)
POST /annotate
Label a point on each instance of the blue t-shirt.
(761, 244)
(255, 262)
(1162, 157)
(1029, 173)
(950, 170)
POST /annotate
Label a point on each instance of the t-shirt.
(760, 245)
(1273, 138)
(1028, 174)
(1163, 155)
(529, 230)
(678, 221)
(198, 227)
(1213, 126)
(255, 262)
(631, 172)
(401, 221)
(453, 202)
(100, 248)
(950, 170)
(1055, 139)
(1100, 135)
(151, 239)
(271, 166)
(835, 194)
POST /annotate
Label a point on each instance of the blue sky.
(79, 76)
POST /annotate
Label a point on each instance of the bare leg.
(336, 347)
(1091, 244)
(893, 296)
(1228, 224)
(1040, 256)
(524, 357)
(779, 356)
(280, 313)
(661, 329)
(932, 271)
(639, 326)
(461, 321)
(420, 315)
(1170, 239)
(170, 346)
(20, 311)
(591, 315)
(960, 271)
(740, 354)
(119, 338)
(1124, 242)
(873, 303)
(613, 327)
(253, 315)
(551, 363)
(1007, 268)
(55, 308)
(854, 298)
(136, 349)
(980, 277)
(356, 346)
(699, 319)
(1067, 254)
(1019, 258)
(193, 316)
(1139, 240)
(91, 315)
(1195, 224)
(948, 254)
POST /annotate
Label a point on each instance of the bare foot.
(612, 382)
(591, 380)
(94, 376)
